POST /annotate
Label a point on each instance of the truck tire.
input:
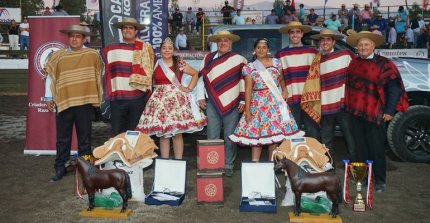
(409, 134)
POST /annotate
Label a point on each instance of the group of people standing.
(258, 103)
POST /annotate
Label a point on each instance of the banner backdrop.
(152, 13)
(40, 130)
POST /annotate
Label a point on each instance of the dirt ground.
(27, 196)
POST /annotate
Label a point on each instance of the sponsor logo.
(43, 53)
(210, 190)
(212, 157)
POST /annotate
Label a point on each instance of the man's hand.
(202, 104)
(50, 105)
(241, 107)
(387, 117)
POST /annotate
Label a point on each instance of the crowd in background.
(400, 31)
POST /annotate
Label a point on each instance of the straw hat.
(327, 33)
(75, 29)
(83, 23)
(224, 34)
(295, 25)
(350, 32)
(354, 38)
(128, 21)
(374, 27)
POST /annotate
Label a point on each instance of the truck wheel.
(409, 134)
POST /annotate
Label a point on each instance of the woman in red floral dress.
(168, 112)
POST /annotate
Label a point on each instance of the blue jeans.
(23, 42)
(327, 132)
(228, 124)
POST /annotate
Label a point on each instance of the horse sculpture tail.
(339, 197)
(128, 191)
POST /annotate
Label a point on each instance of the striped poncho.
(128, 70)
(75, 78)
(224, 81)
(295, 66)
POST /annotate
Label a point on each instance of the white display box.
(136, 177)
(258, 187)
(169, 182)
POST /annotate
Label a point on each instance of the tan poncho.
(75, 78)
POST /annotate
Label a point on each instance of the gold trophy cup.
(358, 172)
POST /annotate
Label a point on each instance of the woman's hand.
(285, 94)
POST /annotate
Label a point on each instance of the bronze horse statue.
(93, 178)
(304, 182)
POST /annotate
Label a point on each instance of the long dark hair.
(257, 41)
(175, 58)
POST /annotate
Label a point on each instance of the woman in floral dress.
(168, 112)
(267, 119)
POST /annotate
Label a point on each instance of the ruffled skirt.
(168, 112)
(266, 126)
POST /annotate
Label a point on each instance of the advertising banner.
(392, 53)
(7, 14)
(152, 13)
(41, 130)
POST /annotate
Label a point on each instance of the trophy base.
(313, 218)
(106, 213)
(359, 207)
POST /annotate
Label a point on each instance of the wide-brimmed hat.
(83, 23)
(374, 27)
(295, 25)
(327, 33)
(354, 38)
(224, 34)
(350, 32)
(128, 21)
(75, 29)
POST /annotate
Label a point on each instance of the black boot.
(58, 175)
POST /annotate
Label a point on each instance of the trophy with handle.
(359, 171)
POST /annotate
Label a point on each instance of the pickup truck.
(408, 134)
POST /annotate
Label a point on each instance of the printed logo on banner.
(210, 190)
(212, 157)
(43, 53)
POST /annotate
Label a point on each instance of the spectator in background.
(409, 37)
(248, 21)
(392, 35)
(402, 19)
(59, 11)
(239, 19)
(253, 21)
(13, 32)
(333, 23)
(87, 37)
(181, 42)
(1, 39)
(177, 18)
(311, 19)
(423, 39)
(288, 6)
(301, 13)
(382, 23)
(199, 19)
(288, 17)
(354, 17)
(24, 29)
(343, 17)
(272, 18)
(190, 21)
(416, 25)
(47, 12)
(366, 16)
(375, 29)
(226, 13)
